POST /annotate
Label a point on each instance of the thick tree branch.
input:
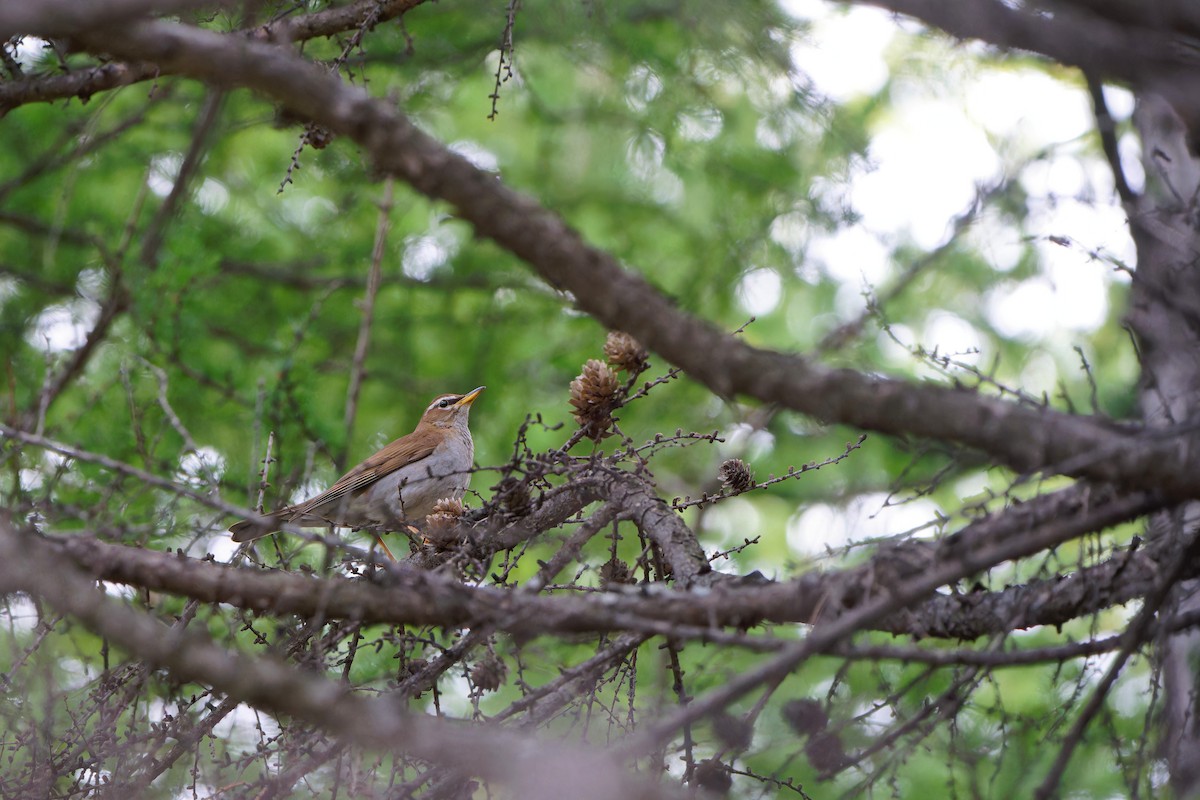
(1136, 48)
(49, 18)
(83, 83)
(828, 634)
(532, 768)
(663, 526)
(419, 597)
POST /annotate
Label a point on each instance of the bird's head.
(449, 410)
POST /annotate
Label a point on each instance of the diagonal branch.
(826, 635)
(358, 369)
(83, 83)
(152, 239)
(116, 301)
(1021, 437)
(49, 18)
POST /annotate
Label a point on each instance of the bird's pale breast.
(410, 492)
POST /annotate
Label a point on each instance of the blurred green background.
(679, 136)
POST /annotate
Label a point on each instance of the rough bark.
(1165, 314)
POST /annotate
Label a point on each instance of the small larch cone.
(714, 776)
(826, 752)
(317, 137)
(614, 572)
(442, 522)
(733, 731)
(514, 496)
(488, 674)
(736, 474)
(625, 353)
(805, 716)
(594, 398)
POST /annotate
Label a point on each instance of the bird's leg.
(383, 544)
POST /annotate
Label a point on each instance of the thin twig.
(153, 238)
(569, 550)
(1107, 127)
(1134, 637)
(114, 465)
(374, 280)
(189, 444)
(504, 66)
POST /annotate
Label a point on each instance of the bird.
(398, 485)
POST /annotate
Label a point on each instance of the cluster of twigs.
(583, 494)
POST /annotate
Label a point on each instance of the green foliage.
(642, 124)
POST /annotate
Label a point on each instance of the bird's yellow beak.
(469, 397)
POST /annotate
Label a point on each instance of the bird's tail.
(255, 528)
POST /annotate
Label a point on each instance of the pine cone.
(594, 398)
(625, 353)
(712, 775)
(514, 496)
(805, 716)
(736, 474)
(615, 572)
(733, 731)
(442, 522)
(825, 752)
(488, 674)
(317, 137)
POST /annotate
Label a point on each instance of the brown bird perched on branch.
(398, 484)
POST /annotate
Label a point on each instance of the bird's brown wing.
(406, 450)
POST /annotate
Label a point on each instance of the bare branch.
(1184, 550)
(147, 478)
(374, 279)
(826, 635)
(84, 83)
(1140, 51)
(50, 18)
(536, 768)
(417, 596)
(1107, 128)
(152, 238)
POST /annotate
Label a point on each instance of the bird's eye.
(445, 403)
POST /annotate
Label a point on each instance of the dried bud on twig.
(736, 474)
(594, 397)
(488, 674)
(625, 353)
